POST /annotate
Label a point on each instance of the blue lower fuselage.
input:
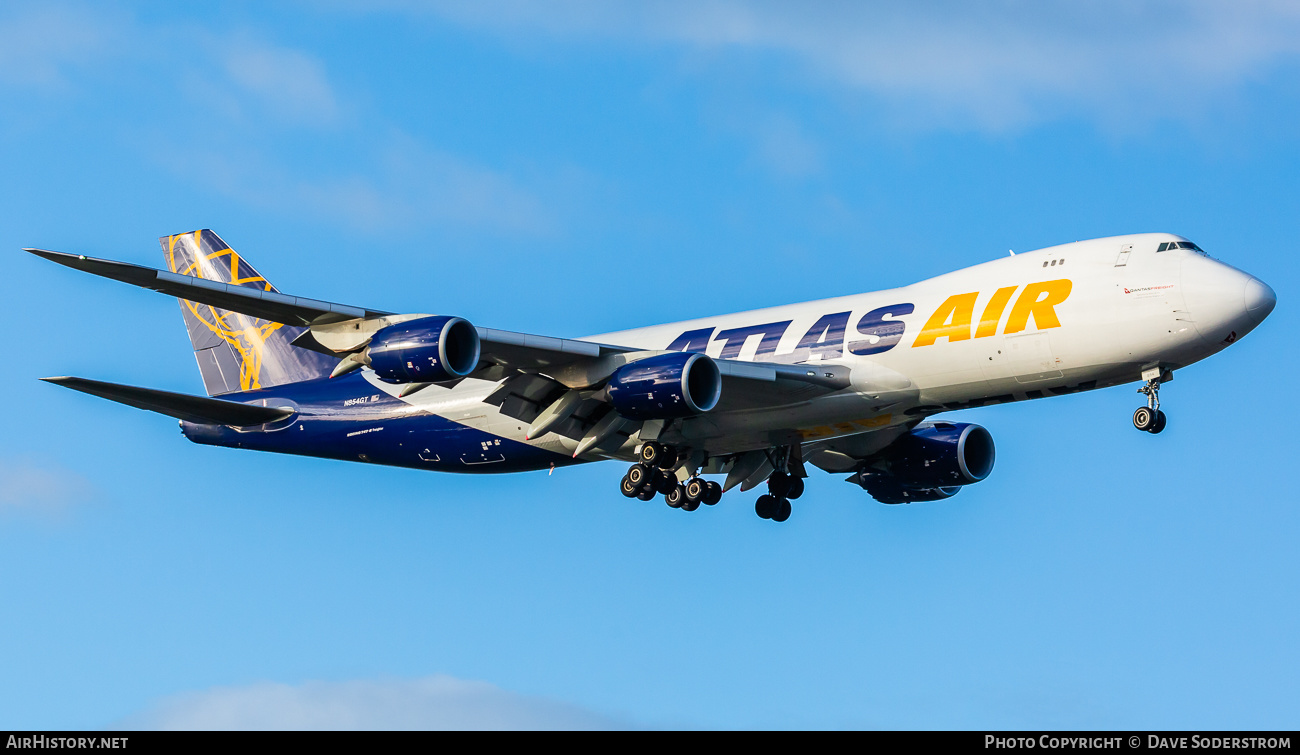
(347, 418)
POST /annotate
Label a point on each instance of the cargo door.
(1030, 358)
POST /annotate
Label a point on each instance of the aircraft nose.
(1260, 299)
(1225, 303)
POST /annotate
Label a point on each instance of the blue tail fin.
(237, 352)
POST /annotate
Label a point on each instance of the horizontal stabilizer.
(196, 409)
(265, 305)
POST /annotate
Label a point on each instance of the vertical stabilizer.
(236, 352)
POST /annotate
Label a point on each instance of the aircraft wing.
(519, 350)
(510, 354)
(265, 305)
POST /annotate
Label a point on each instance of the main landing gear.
(1149, 418)
(653, 475)
(781, 489)
(785, 484)
(658, 466)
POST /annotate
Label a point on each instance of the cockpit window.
(1167, 245)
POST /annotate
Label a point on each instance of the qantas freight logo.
(881, 329)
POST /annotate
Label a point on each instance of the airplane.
(850, 385)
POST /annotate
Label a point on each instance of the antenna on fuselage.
(1011, 253)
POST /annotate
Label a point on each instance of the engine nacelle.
(666, 386)
(888, 491)
(930, 463)
(427, 350)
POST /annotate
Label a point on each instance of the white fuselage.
(1085, 315)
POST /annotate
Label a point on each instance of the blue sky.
(583, 167)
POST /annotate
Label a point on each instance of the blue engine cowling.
(929, 463)
(427, 350)
(666, 386)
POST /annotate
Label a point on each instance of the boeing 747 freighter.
(852, 385)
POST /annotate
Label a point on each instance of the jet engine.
(929, 463)
(427, 350)
(665, 386)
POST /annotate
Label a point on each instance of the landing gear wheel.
(1159, 424)
(796, 488)
(765, 506)
(1144, 418)
(779, 484)
(627, 488)
(676, 497)
(782, 512)
(652, 454)
(689, 505)
(712, 493)
(646, 493)
(664, 483)
(695, 490)
(639, 475)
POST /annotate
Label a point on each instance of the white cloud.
(401, 184)
(288, 83)
(785, 149)
(431, 703)
(242, 80)
(39, 45)
(53, 46)
(991, 65)
(30, 486)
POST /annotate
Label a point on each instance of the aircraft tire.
(664, 482)
(1159, 423)
(676, 497)
(627, 488)
(646, 493)
(640, 474)
(1144, 418)
(765, 506)
(796, 488)
(782, 511)
(696, 489)
(652, 454)
(712, 494)
(689, 505)
(778, 484)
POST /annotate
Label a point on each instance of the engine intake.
(427, 350)
(666, 386)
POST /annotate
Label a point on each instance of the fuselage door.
(1124, 252)
(1030, 358)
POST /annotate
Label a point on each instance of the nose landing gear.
(1149, 418)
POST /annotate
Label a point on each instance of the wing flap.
(197, 409)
